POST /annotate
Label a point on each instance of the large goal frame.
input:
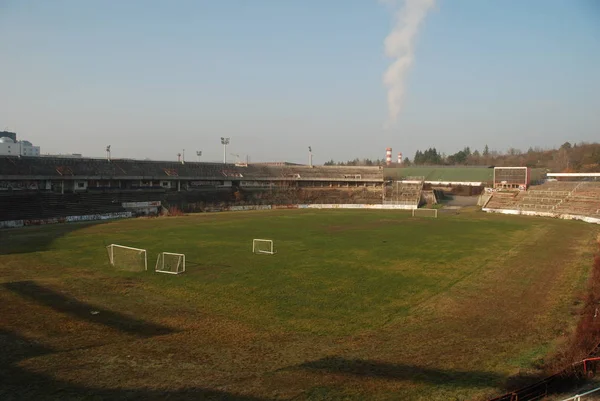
(434, 213)
(111, 253)
(256, 250)
(160, 263)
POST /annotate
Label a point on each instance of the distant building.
(11, 135)
(9, 146)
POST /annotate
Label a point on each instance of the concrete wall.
(68, 219)
(587, 219)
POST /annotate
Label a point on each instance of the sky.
(151, 78)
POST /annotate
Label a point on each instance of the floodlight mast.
(108, 153)
(198, 153)
(225, 142)
(310, 156)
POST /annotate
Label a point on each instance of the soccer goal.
(263, 246)
(170, 263)
(424, 213)
(127, 258)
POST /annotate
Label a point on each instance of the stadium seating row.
(404, 193)
(48, 205)
(579, 198)
(61, 167)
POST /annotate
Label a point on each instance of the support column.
(62, 187)
(178, 186)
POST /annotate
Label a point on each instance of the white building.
(8, 147)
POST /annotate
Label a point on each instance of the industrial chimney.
(399, 158)
(388, 156)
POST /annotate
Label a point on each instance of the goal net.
(170, 263)
(127, 258)
(424, 213)
(263, 246)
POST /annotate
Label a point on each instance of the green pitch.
(354, 305)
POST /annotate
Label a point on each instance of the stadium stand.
(577, 198)
(584, 199)
(318, 173)
(48, 187)
(48, 205)
(60, 167)
(406, 192)
(503, 200)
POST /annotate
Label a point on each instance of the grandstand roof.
(71, 168)
(276, 164)
(438, 173)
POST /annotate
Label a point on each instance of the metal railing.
(578, 397)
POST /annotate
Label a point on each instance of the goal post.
(127, 258)
(425, 213)
(264, 246)
(170, 263)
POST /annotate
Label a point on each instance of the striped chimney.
(388, 156)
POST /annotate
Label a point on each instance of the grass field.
(372, 305)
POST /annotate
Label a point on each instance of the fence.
(579, 397)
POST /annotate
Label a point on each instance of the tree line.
(581, 157)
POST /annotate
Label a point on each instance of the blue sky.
(153, 77)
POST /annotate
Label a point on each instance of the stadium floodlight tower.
(225, 142)
(310, 156)
(198, 153)
(108, 153)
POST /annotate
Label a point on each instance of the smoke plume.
(399, 46)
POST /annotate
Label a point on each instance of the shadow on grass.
(17, 383)
(37, 238)
(529, 387)
(69, 305)
(15, 348)
(413, 373)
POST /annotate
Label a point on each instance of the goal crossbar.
(267, 247)
(170, 263)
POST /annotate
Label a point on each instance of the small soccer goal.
(170, 263)
(425, 213)
(264, 246)
(127, 258)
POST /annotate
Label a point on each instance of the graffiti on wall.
(141, 204)
(68, 219)
(19, 185)
(11, 224)
(104, 216)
